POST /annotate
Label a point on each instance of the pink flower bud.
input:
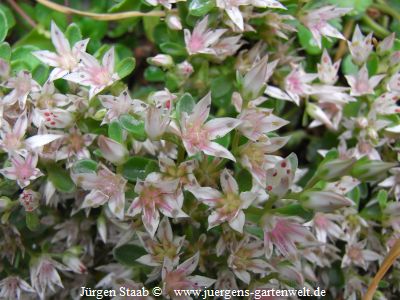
(161, 60)
(74, 264)
(112, 150)
(173, 22)
(185, 69)
(29, 200)
(324, 201)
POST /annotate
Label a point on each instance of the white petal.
(41, 140)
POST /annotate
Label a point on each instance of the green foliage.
(138, 168)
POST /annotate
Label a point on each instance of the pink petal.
(228, 183)
(217, 150)
(219, 127)
(201, 110)
(95, 198)
(49, 58)
(59, 41)
(108, 60)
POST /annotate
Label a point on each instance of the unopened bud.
(324, 201)
(102, 228)
(161, 60)
(74, 263)
(29, 200)
(334, 169)
(173, 22)
(112, 150)
(362, 122)
(366, 169)
(185, 69)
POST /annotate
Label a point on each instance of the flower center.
(196, 43)
(196, 135)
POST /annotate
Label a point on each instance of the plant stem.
(387, 263)
(383, 7)
(21, 12)
(379, 31)
(235, 141)
(181, 154)
(311, 182)
(348, 29)
(102, 17)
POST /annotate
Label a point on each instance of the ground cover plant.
(200, 144)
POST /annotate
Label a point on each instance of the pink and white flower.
(232, 8)
(105, 187)
(161, 247)
(254, 82)
(74, 145)
(202, 39)
(227, 206)
(12, 140)
(317, 22)
(327, 71)
(325, 225)
(117, 106)
(66, 59)
(198, 136)
(22, 86)
(256, 122)
(156, 121)
(297, 84)
(12, 286)
(245, 257)
(23, 169)
(361, 84)
(283, 233)
(93, 74)
(183, 171)
(254, 157)
(44, 275)
(154, 196)
(360, 47)
(179, 278)
(48, 97)
(358, 255)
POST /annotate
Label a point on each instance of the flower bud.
(112, 150)
(102, 228)
(386, 45)
(173, 22)
(254, 80)
(372, 134)
(74, 263)
(161, 60)
(362, 122)
(185, 69)
(4, 203)
(318, 114)
(334, 169)
(366, 169)
(324, 201)
(29, 200)
(237, 101)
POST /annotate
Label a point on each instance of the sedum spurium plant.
(205, 145)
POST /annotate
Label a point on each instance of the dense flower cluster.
(243, 156)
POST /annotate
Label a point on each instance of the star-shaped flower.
(198, 136)
(66, 59)
(93, 74)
